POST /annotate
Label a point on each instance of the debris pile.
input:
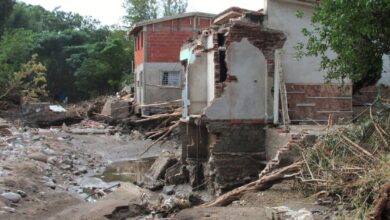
(347, 167)
(46, 115)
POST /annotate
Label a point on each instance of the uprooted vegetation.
(351, 165)
(347, 167)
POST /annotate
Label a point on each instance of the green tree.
(357, 32)
(174, 7)
(81, 57)
(139, 10)
(31, 80)
(105, 66)
(6, 7)
(16, 47)
(54, 49)
(27, 84)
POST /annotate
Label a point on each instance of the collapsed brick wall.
(266, 40)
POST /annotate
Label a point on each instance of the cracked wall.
(245, 96)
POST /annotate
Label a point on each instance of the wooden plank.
(282, 89)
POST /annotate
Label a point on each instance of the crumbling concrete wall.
(237, 153)
(245, 96)
(197, 84)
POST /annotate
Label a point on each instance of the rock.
(21, 193)
(66, 167)
(136, 135)
(8, 209)
(284, 212)
(155, 175)
(177, 174)
(49, 152)
(51, 184)
(130, 211)
(116, 108)
(195, 200)
(81, 170)
(52, 160)
(169, 190)
(38, 156)
(12, 197)
(302, 214)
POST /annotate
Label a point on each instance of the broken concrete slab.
(155, 175)
(177, 174)
(40, 115)
(284, 212)
(117, 109)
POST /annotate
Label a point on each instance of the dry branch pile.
(163, 126)
(351, 164)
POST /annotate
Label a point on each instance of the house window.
(170, 78)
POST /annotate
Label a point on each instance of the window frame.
(162, 73)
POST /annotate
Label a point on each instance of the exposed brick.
(327, 99)
(165, 39)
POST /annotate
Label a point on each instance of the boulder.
(12, 197)
(116, 108)
(154, 177)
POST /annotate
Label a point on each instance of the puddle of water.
(127, 171)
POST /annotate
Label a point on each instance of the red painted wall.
(165, 39)
(139, 50)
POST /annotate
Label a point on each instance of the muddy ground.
(51, 173)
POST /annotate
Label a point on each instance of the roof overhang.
(233, 12)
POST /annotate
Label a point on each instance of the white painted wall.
(153, 91)
(281, 15)
(210, 71)
(197, 84)
(246, 98)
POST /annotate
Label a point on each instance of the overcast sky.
(110, 11)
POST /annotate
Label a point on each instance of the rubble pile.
(350, 167)
(347, 167)
(34, 161)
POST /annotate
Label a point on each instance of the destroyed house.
(158, 72)
(227, 98)
(240, 76)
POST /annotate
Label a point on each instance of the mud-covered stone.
(155, 175)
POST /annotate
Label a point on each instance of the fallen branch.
(108, 188)
(168, 132)
(362, 150)
(377, 127)
(88, 131)
(158, 117)
(381, 203)
(264, 183)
